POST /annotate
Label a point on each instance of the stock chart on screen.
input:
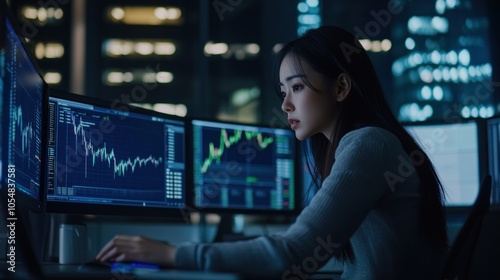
(99, 155)
(243, 167)
(24, 89)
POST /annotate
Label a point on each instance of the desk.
(197, 275)
(55, 271)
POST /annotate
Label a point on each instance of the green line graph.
(225, 142)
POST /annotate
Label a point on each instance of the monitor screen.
(241, 168)
(24, 105)
(494, 157)
(3, 122)
(454, 150)
(113, 159)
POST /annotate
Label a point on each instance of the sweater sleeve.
(356, 183)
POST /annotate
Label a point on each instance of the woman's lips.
(294, 123)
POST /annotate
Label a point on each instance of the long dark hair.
(332, 51)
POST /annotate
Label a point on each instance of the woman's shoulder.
(370, 139)
(370, 133)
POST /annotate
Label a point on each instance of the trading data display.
(98, 155)
(243, 167)
(24, 89)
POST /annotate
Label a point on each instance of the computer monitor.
(493, 125)
(113, 159)
(23, 110)
(3, 69)
(455, 152)
(243, 168)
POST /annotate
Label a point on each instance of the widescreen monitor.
(23, 132)
(113, 159)
(3, 69)
(455, 152)
(242, 168)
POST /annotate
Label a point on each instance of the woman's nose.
(286, 106)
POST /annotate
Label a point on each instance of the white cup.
(72, 244)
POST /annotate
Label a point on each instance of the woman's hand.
(126, 248)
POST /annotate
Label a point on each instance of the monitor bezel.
(74, 208)
(257, 212)
(495, 189)
(24, 201)
(3, 16)
(482, 151)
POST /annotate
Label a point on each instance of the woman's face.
(309, 111)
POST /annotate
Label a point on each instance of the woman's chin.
(300, 136)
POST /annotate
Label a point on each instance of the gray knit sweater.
(371, 198)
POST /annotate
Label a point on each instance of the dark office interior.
(210, 61)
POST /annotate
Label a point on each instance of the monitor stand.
(226, 230)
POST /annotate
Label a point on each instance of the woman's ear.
(343, 87)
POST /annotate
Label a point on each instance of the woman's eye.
(296, 87)
(283, 94)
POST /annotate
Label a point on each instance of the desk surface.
(55, 271)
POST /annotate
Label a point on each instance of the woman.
(379, 208)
